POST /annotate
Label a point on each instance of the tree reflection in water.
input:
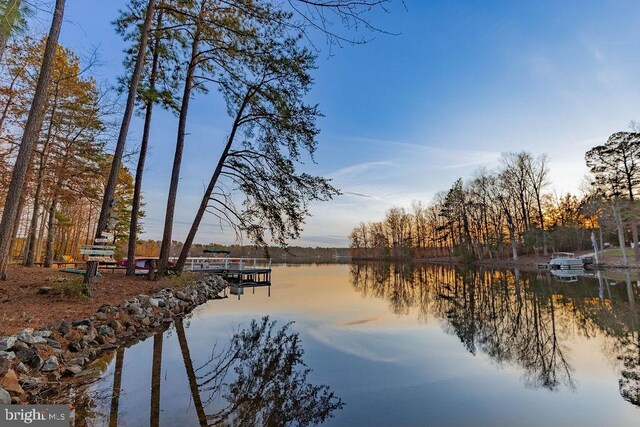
(523, 319)
(262, 379)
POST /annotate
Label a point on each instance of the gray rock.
(7, 343)
(82, 328)
(51, 364)
(75, 346)
(5, 397)
(78, 361)
(19, 345)
(27, 337)
(72, 370)
(83, 322)
(53, 343)
(23, 368)
(100, 316)
(155, 302)
(43, 334)
(35, 364)
(5, 365)
(7, 355)
(106, 330)
(26, 354)
(64, 328)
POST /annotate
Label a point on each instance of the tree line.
(510, 211)
(64, 183)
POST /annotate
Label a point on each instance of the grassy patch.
(616, 253)
(184, 279)
(69, 288)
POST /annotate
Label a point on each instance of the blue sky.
(407, 115)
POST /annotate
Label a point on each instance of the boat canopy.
(216, 251)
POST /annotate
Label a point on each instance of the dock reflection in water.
(399, 344)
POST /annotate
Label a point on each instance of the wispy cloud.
(350, 343)
(359, 321)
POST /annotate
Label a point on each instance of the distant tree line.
(290, 254)
(509, 211)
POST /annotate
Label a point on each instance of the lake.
(382, 345)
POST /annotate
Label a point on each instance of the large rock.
(5, 397)
(26, 354)
(19, 345)
(72, 370)
(5, 365)
(9, 382)
(106, 330)
(79, 361)
(83, 322)
(53, 343)
(51, 364)
(28, 337)
(35, 364)
(64, 327)
(7, 343)
(7, 355)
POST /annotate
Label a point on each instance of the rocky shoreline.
(35, 364)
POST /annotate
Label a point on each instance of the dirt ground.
(21, 306)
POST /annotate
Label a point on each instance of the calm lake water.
(389, 346)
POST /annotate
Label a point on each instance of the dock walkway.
(238, 271)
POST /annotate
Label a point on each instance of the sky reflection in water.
(421, 345)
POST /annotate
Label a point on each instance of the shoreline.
(527, 262)
(38, 365)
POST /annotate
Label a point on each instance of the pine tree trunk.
(137, 189)
(110, 188)
(165, 246)
(51, 233)
(31, 131)
(33, 229)
(207, 195)
(116, 389)
(191, 375)
(40, 237)
(156, 370)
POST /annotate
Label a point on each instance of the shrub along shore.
(37, 365)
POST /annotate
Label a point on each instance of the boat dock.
(236, 271)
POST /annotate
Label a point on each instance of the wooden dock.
(236, 271)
